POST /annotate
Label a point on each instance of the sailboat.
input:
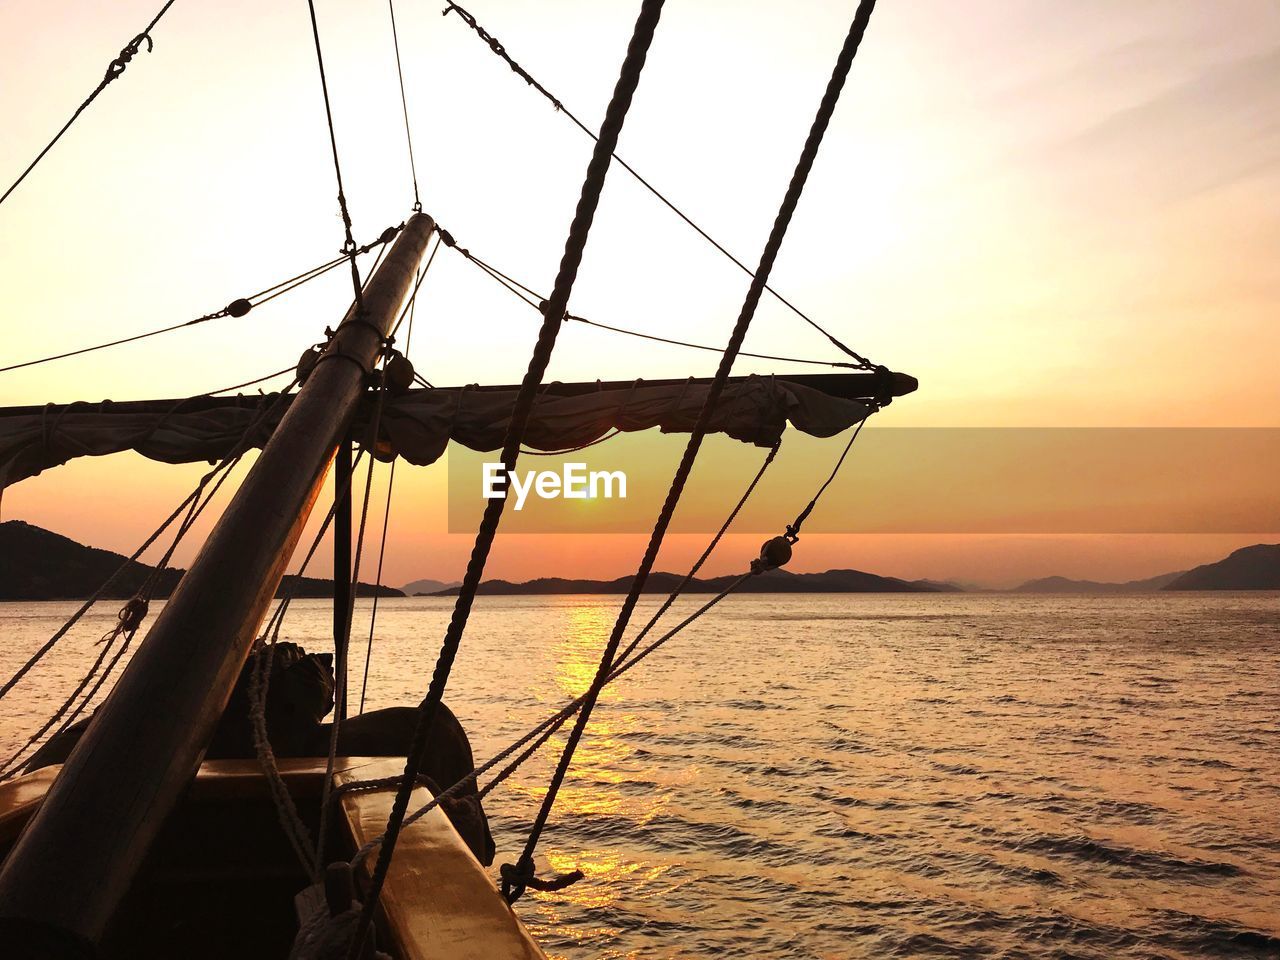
(139, 845)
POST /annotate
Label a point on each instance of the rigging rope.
(187, 501)
(254, 382)
(407, 309)
(391, 484)
(539, 734)
(410, 309)
(575, 244)
(286, 810)
(525, 451)
(404, 105)
(793, 528)
(534, 300)
(114, 69)
(129, 620)
(544, 730)
(516, 878)
(500, 50)
(128, 625)
(341, 654)
(145, 594)
(311, 856)
(349, 244)
(236, 308)
(706, 554)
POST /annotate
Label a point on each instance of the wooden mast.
(75, 862)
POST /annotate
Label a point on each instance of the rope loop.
(521, 875)
(575, 245)
(117, 66)
(129, 618)
(114, 69)
(883, 385)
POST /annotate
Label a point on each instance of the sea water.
(860, 775)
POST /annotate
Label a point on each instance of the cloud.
(1218, 128)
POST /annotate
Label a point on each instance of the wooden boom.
(857, 385)
(80, 853)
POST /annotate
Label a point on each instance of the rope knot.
(116, 66)
(129, 619)
(518, 876)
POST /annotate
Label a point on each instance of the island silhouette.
(38, 564)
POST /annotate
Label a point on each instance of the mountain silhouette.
(1066, 585)
(1249, 568)
(419, 588)
(38, 564)
(774, 581)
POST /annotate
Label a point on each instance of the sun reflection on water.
(609, 778)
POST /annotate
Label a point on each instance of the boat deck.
(221, 882)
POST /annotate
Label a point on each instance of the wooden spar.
(342, 586)
(871, 385)
(856, 385)
(80, 853)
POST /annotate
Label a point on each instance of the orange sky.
(1052, 214)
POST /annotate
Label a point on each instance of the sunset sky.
(1052, 214)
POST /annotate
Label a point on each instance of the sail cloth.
(418, 425)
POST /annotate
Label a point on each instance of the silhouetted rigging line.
(253, 383)
(236, 308)
(407, 309)
(114, 69)
(522, 408)
(404, 104)
(515, 877)
(624, 662)
(391, 484)
(411, 309)
(227, 461)
(500, 50)
(533, 299)
(349, 244)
